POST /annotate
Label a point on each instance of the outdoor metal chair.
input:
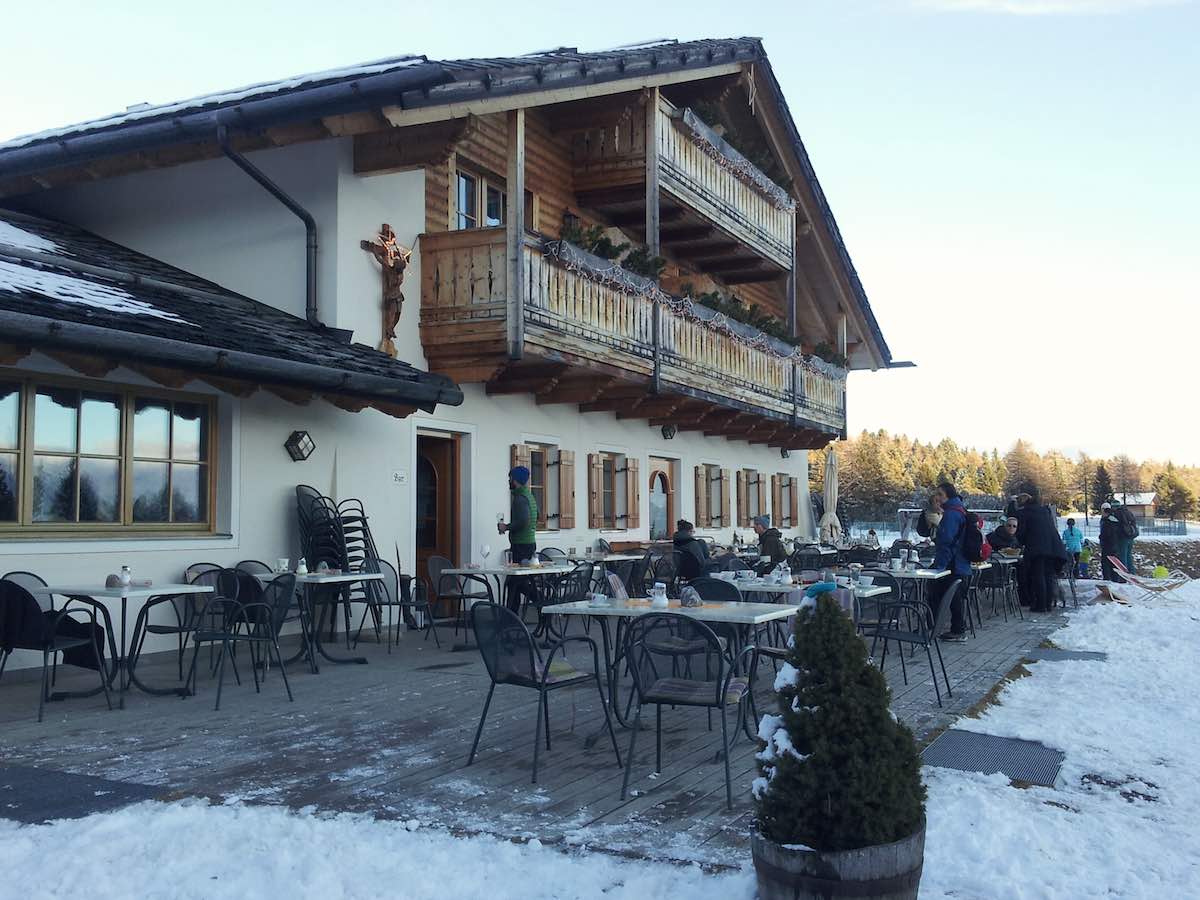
(257, 624)
(512, 657)
(552, 554)
(898, 547)
(659, 679)
(454, 588)
(26, 624)
(187, 611)
(806, 561)
(666, 569)
(922, 630)
(866, 556)
(391, 594)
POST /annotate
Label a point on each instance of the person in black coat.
(1037, 531)
(691, 553)
(1110, 541)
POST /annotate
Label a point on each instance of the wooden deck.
(391, 739)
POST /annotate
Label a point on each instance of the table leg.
(122, 660)
(320, 648)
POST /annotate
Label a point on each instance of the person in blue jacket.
(948, 554)
(1073, 540)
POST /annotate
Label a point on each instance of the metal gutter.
(310, 224)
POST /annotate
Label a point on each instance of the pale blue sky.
(1016, 179)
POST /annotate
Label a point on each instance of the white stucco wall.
(211, 219)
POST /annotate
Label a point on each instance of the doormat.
(1054, 654)
(969, 751)
(32, 796)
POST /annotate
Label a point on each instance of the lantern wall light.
(299, 446)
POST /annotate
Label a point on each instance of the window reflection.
(151, 429)
(53, 489)
(10, 415)
(99, 490)
(188, 431)
(189, 493)
(55, 415)
(100, 425)
(150, 491)
(8, 487)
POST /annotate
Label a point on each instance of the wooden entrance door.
(437, 480)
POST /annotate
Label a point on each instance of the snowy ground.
(1119, 824)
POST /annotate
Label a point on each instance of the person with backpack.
(1038, 533)
(1127, 532)
(956, 539)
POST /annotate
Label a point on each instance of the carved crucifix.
(393, 259)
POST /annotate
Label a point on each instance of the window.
(551, 481)
(77, 457)
(752, 496)
(614, 491)
(785, 494)
(712, 497)
(482, 201)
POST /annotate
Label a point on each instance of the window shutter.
(633, 494)
(777, 509)
(595, 475)
(743, 500)
(794, 502)
(566, 489)
(702, 520)
(762, 499)
(726, 490)
(519, 456)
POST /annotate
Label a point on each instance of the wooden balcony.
(716, 209)
(570, 337)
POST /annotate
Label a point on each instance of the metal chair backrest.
(436, 566)
(575, 585)
(253, 567)
(505, 643)
(224, 582)
(805, 561)
(863, 555)
(659, 645)
(279, 594)
(29, 581)
(731, 562)
(898, 546)
(942, 618)
(883, 578)
(389, 587)
(190, 573)
(716, 590)
(22, 623)
(552, 554)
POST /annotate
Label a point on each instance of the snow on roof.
(148, 111)
(1140, 498)
(21, 239)
(70, 289)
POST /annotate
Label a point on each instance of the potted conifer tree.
(840, 807)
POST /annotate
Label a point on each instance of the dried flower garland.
(606, 273)
(719, 151)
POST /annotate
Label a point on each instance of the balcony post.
(797, 388)
(791, 297)
(652, 192)
(515, 233)
(656, 330)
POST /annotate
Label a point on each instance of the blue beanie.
(519, 474)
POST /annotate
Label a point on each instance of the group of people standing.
(1118, 530)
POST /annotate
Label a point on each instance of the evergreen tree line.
(880, 472)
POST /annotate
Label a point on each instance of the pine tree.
(1102, 488)
(1126, 476)
(837, 770)
(1174, 498)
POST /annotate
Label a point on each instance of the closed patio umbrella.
(831, 526)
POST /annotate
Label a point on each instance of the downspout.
(310, 224)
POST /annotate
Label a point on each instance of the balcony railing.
(571, 313)
(697, 168)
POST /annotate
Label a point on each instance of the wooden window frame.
(626, 497)
(717, 502)
(483, 182)
(556, 463)
(661, 466)
(28, 384)
(785, 487)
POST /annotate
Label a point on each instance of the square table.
(311, 630)
(125, 594)
(747, 615)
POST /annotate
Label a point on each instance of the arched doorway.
(661, 501)
(437, 499)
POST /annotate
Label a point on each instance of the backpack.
(1129, 527)
(972, 540)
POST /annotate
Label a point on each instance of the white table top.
(981, 566)
(730, 613)
(544, 569)
(608, 557)
(133, 592)
(919, 574)
(319, 578)
(1003, 560)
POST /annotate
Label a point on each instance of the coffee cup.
(282, 564)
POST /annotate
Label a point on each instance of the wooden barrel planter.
(884, 872)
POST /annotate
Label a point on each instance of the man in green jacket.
(522, 537)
